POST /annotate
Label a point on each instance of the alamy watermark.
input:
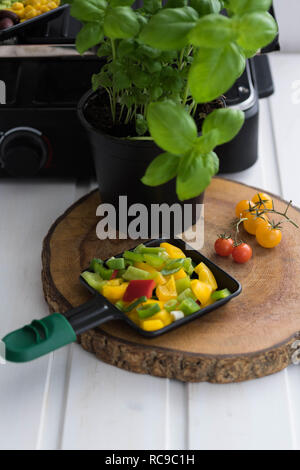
(137, 221)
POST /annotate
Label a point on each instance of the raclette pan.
(57, 330)
(39, 20)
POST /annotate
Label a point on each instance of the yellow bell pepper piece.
(134, 317)
(201, 290)
(114, 293)
(209, 302)
(151, 325)
(167, 291)
(205, 275)
(180, 274)
(114, 282)
(17, 6)
(164, 316)
(160, 279)
(173, 251)
(153, 301)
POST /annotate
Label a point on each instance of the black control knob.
(23, 151)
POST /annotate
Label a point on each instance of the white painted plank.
(109, 408)
(245, 416)
(287, 14)
(27, 211)
(285, 110)
(52, 419)
(264, 173)
(256, 414)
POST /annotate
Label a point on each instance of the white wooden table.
(70, 400)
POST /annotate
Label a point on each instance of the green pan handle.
(38, 338)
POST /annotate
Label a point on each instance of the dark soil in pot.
(120, 163)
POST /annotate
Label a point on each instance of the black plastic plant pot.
(120, 164)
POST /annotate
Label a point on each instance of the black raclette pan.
(57, 330)
(39, 20)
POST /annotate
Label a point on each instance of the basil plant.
(162, 61)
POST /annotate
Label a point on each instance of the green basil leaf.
(121, 23)
(104, 50)
(141, 126)
(205, 7)
(156, 92)
(194, 174)
(228, 123)
(88, 10)
(249, 53)
(153, 66)
(169, 28)
(248, 6)
(213, 31)
(121, 80)
(140, 78)
(162, 169)
(256, 30)
(101, 79)
(126, 47)
(214, 71)
(151, 6)
(207, 142)
(90, 35)
(171, 126)
(148, 51)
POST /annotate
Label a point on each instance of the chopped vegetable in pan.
(154, 286)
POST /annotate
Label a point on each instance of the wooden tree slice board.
(251, 336)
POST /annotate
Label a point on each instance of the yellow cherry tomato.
(17, 6)
(242, 208)
(268, 236)
(30, 14)
(44, 9)
(253, 222)
(52, 5)
(266, 201)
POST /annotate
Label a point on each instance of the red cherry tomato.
(242, 253)
(224, 246)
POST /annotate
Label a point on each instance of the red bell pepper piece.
(114, 274)
(139, 288)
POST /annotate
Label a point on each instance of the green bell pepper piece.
(95, 264)
(154, 260)
(132, 256)
(93, 280)
(188, 266)
(148, 310)
(182, 284)
(172, 266)
(152, 250)
(120, 304)
(116, 263)
(135, 304)
(104, 272)
(170, 305)
(220, 294)
(132, 274)
(186, 294)
(188, 306)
